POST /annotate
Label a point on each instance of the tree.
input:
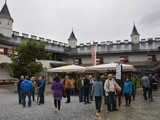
(25, 58)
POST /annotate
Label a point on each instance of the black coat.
(86, 84)
(19, 84)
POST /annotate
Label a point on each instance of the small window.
(8, 23)
(124, 59)
(79, 61)
(0, 22)
(5, 50)
(101, 60)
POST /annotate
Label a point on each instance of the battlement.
(118, 42)
(49, 41)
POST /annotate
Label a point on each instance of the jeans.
(146, 89)
(72, 91)
(33, 94)
(20, 96)
(111, 100)
(81, 94)
(150, 94)
(68, 93)
(28, 93)
(86, 96)
(41, 93)
(128, 98)
(105, 99)
(59, 103)
(133, 91)
(98, 102)
(91, 97)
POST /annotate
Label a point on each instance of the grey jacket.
(110, 86)
(97, 88)
(145, 81)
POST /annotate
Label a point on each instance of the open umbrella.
(109, 67)
(68, 69)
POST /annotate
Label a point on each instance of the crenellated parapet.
(49, 41)
(118, 42)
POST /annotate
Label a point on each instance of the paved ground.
(140, 109)
(11, 110)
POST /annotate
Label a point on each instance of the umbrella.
(68, 69)
(109, 67)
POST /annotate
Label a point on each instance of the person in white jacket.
(110, 87)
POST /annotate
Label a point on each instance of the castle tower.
(6, 22)
(135, 36)
(72, 41)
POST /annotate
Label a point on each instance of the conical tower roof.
(72, 36)
(134, 31)
(5, 12)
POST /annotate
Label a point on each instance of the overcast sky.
(91, 20)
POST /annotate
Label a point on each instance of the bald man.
(19, 89)
(109, 87)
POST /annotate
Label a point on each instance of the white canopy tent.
(109, 67)
(68, 69)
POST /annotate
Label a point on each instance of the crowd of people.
(26, 87)
(87, 89)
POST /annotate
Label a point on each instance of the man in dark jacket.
(19, 89)
(80, 86)
(41, 89)
(26, 87)
(86, 89)
(151, 87)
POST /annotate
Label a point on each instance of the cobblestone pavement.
(11, 110)
(140, 109)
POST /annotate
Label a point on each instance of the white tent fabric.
(5, 59)
(68, 69)
(109, 67)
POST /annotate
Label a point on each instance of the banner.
(94, 54)
(119, 72)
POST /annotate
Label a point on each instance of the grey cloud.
(151, 20)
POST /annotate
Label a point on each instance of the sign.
(119, 72)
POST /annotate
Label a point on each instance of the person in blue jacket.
(26, 88)
(127, 90)
(41, 88)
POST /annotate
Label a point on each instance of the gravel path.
(11, 110)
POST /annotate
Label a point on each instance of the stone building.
(144, 54)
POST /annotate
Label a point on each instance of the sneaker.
(126, 105)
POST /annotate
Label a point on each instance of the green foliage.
(24, 58)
